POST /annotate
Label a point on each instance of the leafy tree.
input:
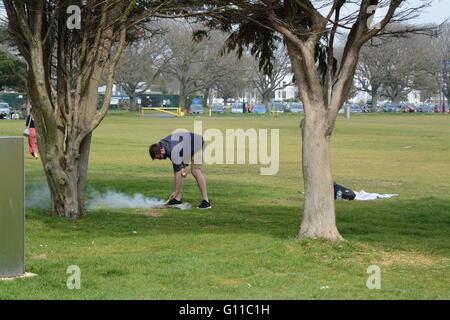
(197, 66)
(267, 84)
(140, 65)
(438, 61)
(13, 72)
(308, 30)
(69, 50)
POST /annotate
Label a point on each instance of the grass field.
(244, 248)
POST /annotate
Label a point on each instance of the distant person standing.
(32, 137)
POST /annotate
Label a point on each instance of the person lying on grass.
(183, 149)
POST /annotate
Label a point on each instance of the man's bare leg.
(201, 182)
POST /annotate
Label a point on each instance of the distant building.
(117, 90)
(414, 97)
(288, 90)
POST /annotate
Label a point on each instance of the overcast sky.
(437, 13)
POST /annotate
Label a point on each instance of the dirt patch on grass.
(397, 258)
(40, 257)
(362, 253)
(406, 258)
(154, 213)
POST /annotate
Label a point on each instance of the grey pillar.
(12, 207)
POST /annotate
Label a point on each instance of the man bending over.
(183, 149)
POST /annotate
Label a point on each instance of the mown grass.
(245, 247)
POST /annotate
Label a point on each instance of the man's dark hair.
(154, 150)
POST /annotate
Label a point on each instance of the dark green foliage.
(250, 27)
(12, 72)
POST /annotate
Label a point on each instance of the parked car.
(426, 107)
(237, 107)
(217, 108)
(196, 108)
(296, 107)
(408, 108)
(277, 106)
(259, 108)
(355, 108)
(390, 107)
(5, 110)
(441, 108)
(368, 107)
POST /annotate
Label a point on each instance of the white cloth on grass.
(365, 196)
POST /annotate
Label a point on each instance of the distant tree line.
(392, 67)
(171, 57)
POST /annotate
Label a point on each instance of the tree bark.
(183, 99)
(319, 219)
(130, 91)
(67, 179)
(375, 96)
(266, 101)
(446, 95)
(133, 103)
(206, 98)
(396, 100)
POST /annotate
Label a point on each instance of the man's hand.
(174, 195)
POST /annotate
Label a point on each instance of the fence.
(15, 100)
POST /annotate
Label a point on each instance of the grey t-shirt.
(180, 147)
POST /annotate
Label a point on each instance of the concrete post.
(12, 207)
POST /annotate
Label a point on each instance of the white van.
(5, 111)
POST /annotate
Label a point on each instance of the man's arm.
(178, 185)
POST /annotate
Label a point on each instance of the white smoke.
(117, 200)
(38, 197)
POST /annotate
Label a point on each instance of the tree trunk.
(183, 101)
(396, 100)
(130, 91)
(319, 219)
(266, 101)
(67, 178)
(64, 152)
(446, 95)
(133, 103)
(206, 98)
(375, 96)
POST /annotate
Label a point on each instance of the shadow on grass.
(422, 225)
